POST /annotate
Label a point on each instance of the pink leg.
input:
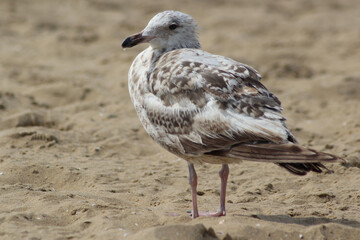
(193, 184)
(224, 174)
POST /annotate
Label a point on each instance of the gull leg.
(193, 184)
(224, 174)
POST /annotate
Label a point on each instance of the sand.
(75, 162)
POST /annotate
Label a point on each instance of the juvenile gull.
(207, 108)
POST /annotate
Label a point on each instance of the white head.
(167, 31)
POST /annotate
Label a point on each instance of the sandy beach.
(75, 162)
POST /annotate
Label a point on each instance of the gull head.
(168, 30)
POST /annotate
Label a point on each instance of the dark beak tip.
(127, 43)
(133, 40)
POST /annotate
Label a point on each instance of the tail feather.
(302, 168)
(279, 153)
(294, 158)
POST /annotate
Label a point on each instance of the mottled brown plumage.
(207, 108)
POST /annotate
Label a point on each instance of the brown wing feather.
(296, 159)
(302, 168)
(183, 90)
(288, 152)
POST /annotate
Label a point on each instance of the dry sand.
(75, 163)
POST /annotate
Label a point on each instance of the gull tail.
(294, 158)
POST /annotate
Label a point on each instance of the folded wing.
(205, 104)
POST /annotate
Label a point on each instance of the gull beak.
(136, 39)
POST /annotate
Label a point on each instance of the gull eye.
(173, 26)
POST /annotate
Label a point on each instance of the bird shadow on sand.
(305, 221)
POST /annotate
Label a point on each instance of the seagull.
(206, 108)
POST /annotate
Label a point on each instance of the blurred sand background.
(75, 163)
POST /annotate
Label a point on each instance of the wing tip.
(330, 157)
(285, 153)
